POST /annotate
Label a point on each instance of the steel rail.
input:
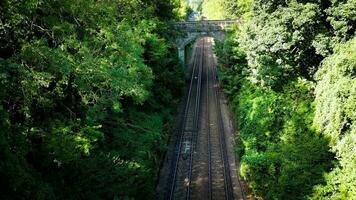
(225, 152)
(227, 176)
(196, 119)
(182, 130)
(210, 193)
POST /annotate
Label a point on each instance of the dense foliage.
(196, 5)
(87, 91)
(225, 9)
(336, 117)
(213, 9)
(290, 74)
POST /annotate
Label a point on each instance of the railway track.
(181, 172)
(228, 190)
(200, 166)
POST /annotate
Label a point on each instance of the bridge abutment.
(181, 54)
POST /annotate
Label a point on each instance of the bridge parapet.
(206, 25)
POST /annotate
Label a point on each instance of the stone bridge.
(191, 30)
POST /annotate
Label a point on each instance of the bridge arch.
(192, 30)
(191, 37)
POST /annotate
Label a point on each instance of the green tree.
(213, 9)
(86, 100)
(279, 44)
(289, 72)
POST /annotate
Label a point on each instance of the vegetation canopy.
(88, 89)
(289, 71)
